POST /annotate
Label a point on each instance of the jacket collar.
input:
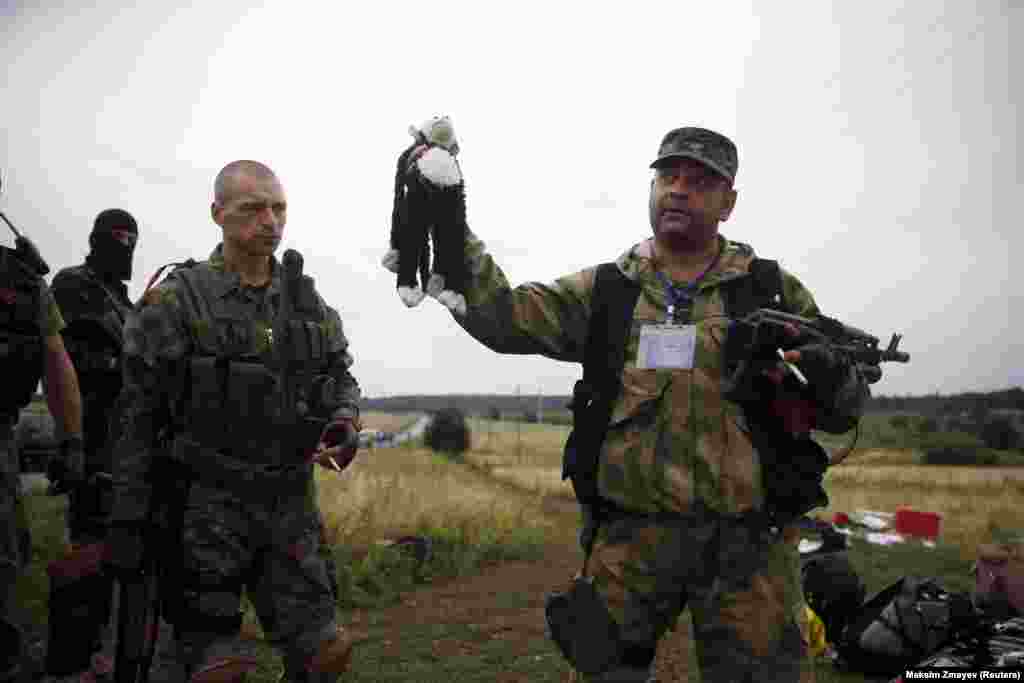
(229, 282)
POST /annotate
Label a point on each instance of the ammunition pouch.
(234, 402)
(231, 402)
(583, 629)
(93, 360)
(80, 599)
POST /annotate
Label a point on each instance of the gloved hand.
(338, 444)
(124, 547)
(67, 470)
(823, 367)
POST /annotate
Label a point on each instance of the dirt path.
(500, 608)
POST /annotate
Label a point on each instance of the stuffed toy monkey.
(430, 202)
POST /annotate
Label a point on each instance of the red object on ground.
(840, 519)
(913, 523)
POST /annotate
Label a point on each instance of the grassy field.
(386, 422)
(975, 502)
(498, 507)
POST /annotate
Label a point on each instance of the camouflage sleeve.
(50, 320)
(798, 298)
(534, 318)
(841, 411)
(339, 360)
(156, 341)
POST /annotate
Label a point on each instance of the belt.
(697, 515)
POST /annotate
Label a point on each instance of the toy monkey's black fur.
(421, 210)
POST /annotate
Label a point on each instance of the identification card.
(666, 346)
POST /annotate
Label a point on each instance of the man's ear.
(214, 210)
(730, 203)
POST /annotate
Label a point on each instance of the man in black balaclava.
(112, 244)
(94, 302)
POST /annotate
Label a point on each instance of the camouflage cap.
(706, 146)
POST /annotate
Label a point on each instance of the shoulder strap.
(761, 289)
(611, 312)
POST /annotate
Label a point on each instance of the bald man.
(201, 362)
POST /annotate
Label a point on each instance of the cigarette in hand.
(792, 368)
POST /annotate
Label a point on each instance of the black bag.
(582, 628)
(901, 625)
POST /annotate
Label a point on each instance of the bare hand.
(338, 446)
(778, 373)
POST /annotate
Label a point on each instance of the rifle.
(140, 598)
(23, 246)
(307, 400)
(755, 342)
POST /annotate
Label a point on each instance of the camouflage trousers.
(741, 582)
(270, 547)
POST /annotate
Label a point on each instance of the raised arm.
(534, 318)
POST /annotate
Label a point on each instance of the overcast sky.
(879, 146)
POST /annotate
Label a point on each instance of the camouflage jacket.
(175, 322)
(673, 439)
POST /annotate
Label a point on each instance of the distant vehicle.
(369, 437)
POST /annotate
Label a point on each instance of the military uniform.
(198, 369)
(94, 309)
(28, 315)
(680, 461)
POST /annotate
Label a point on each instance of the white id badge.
(666, 346)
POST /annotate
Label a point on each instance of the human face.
(253, 215)
(688, 200)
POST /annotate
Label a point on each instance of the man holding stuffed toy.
(239, 378)
(685, 502)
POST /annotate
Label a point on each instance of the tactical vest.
(250, 398)
(613, 301)
(95, 317)
(21, 341)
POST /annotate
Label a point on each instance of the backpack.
(902, 625)
(593, 398)
(832, 589)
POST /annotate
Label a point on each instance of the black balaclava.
(112, 243)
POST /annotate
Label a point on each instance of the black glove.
(125, 547)
(67, 470)
(825, 370)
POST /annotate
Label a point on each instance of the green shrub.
(960, 456)
(928, 425)
(448, 432)
(899, 421)
(1000, 433)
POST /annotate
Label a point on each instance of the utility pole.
(519, 427)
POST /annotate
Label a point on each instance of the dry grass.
(386, 422)
(392, 491)
(973, 501)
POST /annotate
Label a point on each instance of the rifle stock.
(138, 625)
